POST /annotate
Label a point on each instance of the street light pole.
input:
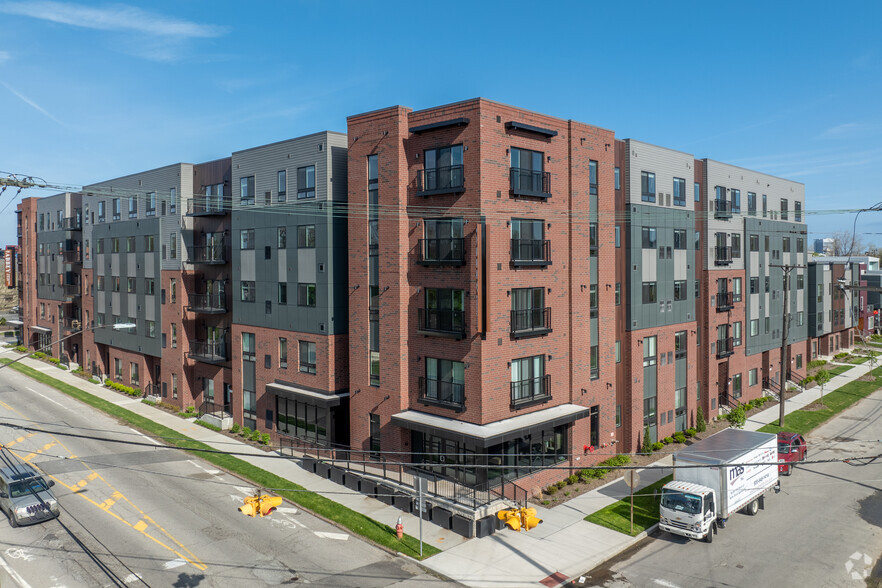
(115, 327)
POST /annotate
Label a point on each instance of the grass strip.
(356, 522)
(858, 360)
(804, 421)
(839, 369)
(617, 516)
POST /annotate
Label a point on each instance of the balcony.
(71, 290)
(71, 325)
(722, 255)
(725, 301)
(530, 252)
(527, 182)
(442, 393)
(725, 347)
(208, 351)
(723, 209)
(446, 251)
(72, 223)
(209, 254)
(530, 322)
(72, 256)
(441, 180)
(207, 207)
(441, 321)
(207, 303)
(531, 391)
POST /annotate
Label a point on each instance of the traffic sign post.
(632, 478)
(422, 484)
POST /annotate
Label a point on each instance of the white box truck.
(725, 473)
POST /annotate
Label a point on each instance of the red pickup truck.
(791, 449)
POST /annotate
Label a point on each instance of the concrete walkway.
(564, 546)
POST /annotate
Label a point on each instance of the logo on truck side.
(735, 471)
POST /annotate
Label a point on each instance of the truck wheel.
(12, 522)
(709, 538)
(752, 508)
(789, 471)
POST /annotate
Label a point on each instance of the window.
(592, 300)
(527, 172)
(101, 211)
(766, 324)
(247, 291)
(785, 244)
(647, 186)
(307, 357)
(133, 207)
(754, 242)
(592, 239)
(117, 365)
(751, 377)
(306, 182)
(765, 206)
(736, 245)
(680, 341)
(174, 335)
(87, 249)
(799, 361)
(306, 236)
(99, 245)
(736, 386)
(130, 245)
(306, 294)
(282, 240)
(246, 191)
(151, 204)
(736, 200)
(800, 245)
(696, 188)
(618, 236)
(246, 239)
(42, 310)
(768, 283)
(649, 237)
(649, 292)
(528, 379)
(114, 283)
(117, 210)
(649, 351)
(150, 243)
(680, 239)
(797, 211)
(592, 177)
(528, 310)
(618, 352)
(754, 285)
(751, 203)
(151, 329)
(173, 246)
(736, 333)
(248, 347)
(800, 318)
(618, 178)
(172, 203)
(618, 293)
(679, 192)
(114, 245)
(99, 282)
(736, 290)
(173, 287)
(150, 286)
(754, 327)
(783, 209)
(679, 289)
(595, 362)
(282, 184)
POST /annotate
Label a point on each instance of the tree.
(647, 443)
(822, 377)
(846, 243)
(700, 423)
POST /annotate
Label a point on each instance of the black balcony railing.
(530, 322)
(442, 392)
(530, 252)
(722, 255)
(73, 256)
(441, 180)
(72, 325)
(528, 182)
(443, 251)
(725, 347)
(72, 290)
(208, 303)
(531, 390)
(72, 223)
(725, 301)
(722, 209)
(442, 321)
(213, 254)
(208, 351)
(207, 206)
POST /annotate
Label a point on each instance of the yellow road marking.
(29, 457)
(92, 476)
(140, 526)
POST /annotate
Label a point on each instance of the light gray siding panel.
(306, 266)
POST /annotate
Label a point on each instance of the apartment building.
(479, 277)
(290, 305)
(834, 310)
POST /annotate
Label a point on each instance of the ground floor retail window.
(302, 420)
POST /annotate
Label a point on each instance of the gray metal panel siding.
(123, 304)
(666, 164)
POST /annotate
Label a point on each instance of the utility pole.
(785, 314)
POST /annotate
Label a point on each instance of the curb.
(636, 539)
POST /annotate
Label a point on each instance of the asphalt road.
(156, 516)
(823, 529)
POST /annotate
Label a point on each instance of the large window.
(117, 210)
(249, 348)
(246, 239)
(650, 292)
(528, 379)
(151, 204)
(680, 340)
(649, 237)
(650, 352)
(306, 236)
(302, 420)
(246, 191)
(444, 240)
(528, 172)
(527, 239)
(528, 310)
(247, 291)
(592, 177)
(282, 184)
(679, 192)
(647, 186)
(444, 310)
(736, 200)
(307, 357)
(680, 291)
(306, 182)
(445, 381)
(443, 169)
(680, 239)
(306, 294)
(283, 352)
(751, 203)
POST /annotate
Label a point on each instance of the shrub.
(841, 355)
(736, 417)
(680, 437)
(551, 490)
(567, 493)
(38, 355)
(245, 432)
(561, 484)
(668, 440)
(816, 363)
(690, 432)
(94, 380)
(647, 444)
(21, 349)
(584, 477)
(700, 423)
(807, 380)
(255, 435)
(207, 425)
(265, 439)
(235, 428)
(122, 388)
(148, 401)
(657, 445)
(546, 502)
(2, 320)
(54, 360)
(572, 479)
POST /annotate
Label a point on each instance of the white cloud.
(31, 103)
(115, 17)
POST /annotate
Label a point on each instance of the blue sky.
(92, 91)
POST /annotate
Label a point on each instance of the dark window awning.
(453, 122)
(493, 433)
(40, 329)
(519, 126)
(310, 397)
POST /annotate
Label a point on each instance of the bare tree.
(847, 243)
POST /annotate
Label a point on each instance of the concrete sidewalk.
(564, 546)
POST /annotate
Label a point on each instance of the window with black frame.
(528, 240)
(442, 170)
(444, 241)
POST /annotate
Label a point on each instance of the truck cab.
(791, 450)
(688, 509)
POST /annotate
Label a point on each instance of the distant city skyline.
(94, 91)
